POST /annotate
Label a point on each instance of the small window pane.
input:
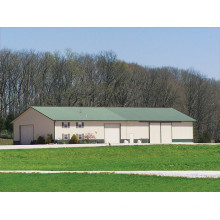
(80, 136)
(80, 124)
(66, 136)
(65, 124)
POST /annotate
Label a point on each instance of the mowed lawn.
(151, 157)
(13, 182)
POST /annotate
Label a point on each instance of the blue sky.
(197, 48)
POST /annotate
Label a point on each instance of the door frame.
(150, 131)
(20, 130)
(119, 130)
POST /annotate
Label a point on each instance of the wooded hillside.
(30, 78)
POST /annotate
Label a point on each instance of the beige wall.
(139, 129)
(155, 132)
(96, 128)
(42, 124)
(182, 130)
(166, 133)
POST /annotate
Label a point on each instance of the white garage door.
(166, 133)
(112, 133)
(154, 133)
(27, 134)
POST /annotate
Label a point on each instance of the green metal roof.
(112, 114)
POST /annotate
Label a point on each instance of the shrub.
(74, 140)
(48, 140)
(89, 136)
(40, 140)
(201, 137)
(6, 134)
(33, 142)
(205, 137)
(84, 142)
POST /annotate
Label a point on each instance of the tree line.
(69, 79)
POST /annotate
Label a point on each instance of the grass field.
(156, 157)
(103, 183)
(5, 141)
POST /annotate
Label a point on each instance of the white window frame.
(66, 136)
(80, 136)
(80, 124)
(65, 124)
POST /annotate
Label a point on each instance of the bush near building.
(48, 140)
(74, 140)
(40, 140)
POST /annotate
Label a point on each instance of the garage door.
(27, 134)
(112, 133)
(166, 133)
(154, 133)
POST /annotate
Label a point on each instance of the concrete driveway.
(39, 146)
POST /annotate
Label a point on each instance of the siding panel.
(182, 130)
(42, 124)
(155, 133)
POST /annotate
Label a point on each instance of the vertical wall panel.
(182, 130)
(166, 133)
(154, 133)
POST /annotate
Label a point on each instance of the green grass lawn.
(103, 183)
(5, 141)
(156, 157)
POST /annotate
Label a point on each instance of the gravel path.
(188, 174)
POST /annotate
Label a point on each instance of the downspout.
(126, 130)
(54, 129)
(160, 134)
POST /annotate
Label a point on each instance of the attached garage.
(112, 133)
(104, 125)
(30, 125)
(27, 134)
(160, 133)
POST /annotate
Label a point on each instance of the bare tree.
(30, 78)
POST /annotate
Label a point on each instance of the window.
(65, 124)
(80, 124)
(65, 136)
(80, 136)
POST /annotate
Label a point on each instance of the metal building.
(104, 125)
